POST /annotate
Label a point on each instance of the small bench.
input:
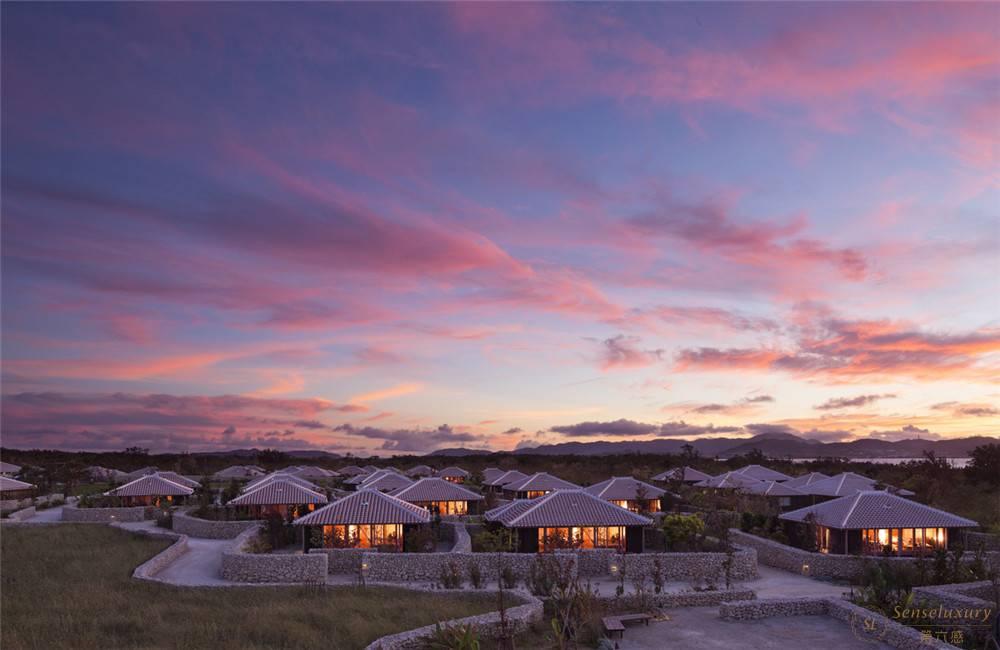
(616, 624)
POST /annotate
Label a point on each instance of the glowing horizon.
(373, 228)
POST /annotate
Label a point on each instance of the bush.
(258, 544)
(508, 577)
(475, 576)
(454, 637)
(681, 531)
(165, 519)
(451, 577)
(420, 540)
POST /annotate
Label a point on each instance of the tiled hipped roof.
(877, 509)
(806, 479)
(772, 489)
(507, 477)
(435, 489)
(682, 474)
(762, 473)
(564, 508)
(278, 492)
(453, 472)
(624, 488)
(12, 484)
(366, 507)
(152, 485)
(846, 484)
(541, 481)
(292, 478)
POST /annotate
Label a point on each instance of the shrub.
(680, 531)
(454, 637)
(657, 576)
(165, 518)
(420, 540)
(475, 576)
(508, 577)
(258, 544)
(451, 577)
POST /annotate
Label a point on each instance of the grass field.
(70, 586)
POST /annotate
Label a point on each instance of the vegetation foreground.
(70, 586)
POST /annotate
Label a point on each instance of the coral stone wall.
(864, 623)
(987, 541)
(187, 524)
(837, 567)
(428, 567)
(103, 515)
(148, 569)
(240, 566)
(487, 625)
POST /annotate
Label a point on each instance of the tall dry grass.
(70, 586)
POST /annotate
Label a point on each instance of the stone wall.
(963, 596)
(151, 567)
(632, 602)
(428, 567)
(283, 568)
(21, 515)
(988, 541)
(837, 567)
(187, 524)
(864, 623)
(692, 566)
(771, 607)
(104, 515)
(487, 625)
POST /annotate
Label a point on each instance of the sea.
(955, 462)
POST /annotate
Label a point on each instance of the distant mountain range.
(776, 445)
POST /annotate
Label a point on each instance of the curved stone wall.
(487, 625)
(148, 569)
(187, 524)
(240, 566)
(103, 515)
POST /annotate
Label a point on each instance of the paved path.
(200, 566)
(700, 628)
(47, 516)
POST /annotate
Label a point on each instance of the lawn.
(70, 586)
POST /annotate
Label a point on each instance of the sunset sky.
(395, 228)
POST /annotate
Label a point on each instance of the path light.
(614, 567)
(805, 569)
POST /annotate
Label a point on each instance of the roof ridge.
(857, 498)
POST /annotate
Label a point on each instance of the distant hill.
(459, 451)
(777, 445)
(250, 453)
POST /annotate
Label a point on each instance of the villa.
(439, 496)
(800, 482)
(536, 485)
(453, 474)
(181, 480)
(351, 470)
(298, 480)
(498, 482)
(420, 471)
(569, 519)
(11, 488)
(491, 473)
(762, 473)
(846, 484)
(385, 480)
(364, 519)
(685, 474)
(9, 469)
(238, 472)
(312, 472)
(151, 490)
(105, 474)
(629, 493)
(728, 481)
(281, 497)
(142, 471)
(875, 522)
(779, 494)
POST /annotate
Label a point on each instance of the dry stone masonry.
(277, 568)
(188, 524)
(104, 515)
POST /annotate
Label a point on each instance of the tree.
(984, 466)
(680, 531)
